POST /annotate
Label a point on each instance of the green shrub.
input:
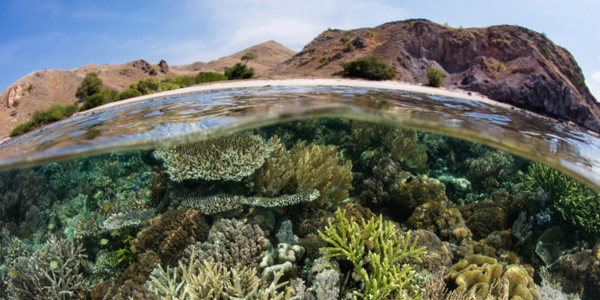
(349, 47)
(348, 32)
(167, 86)
(371, 67)
(344, 39)
(89, 85)
(325, 60)
(15, 103)
(29, 87)
(577, 81)
(188, 81)
(128, 93)
(178, 80)
(98, 99)
(167, 80)
(369, 33)
(40, 117)
(311, 49)
(544, 50)
(435, 77)
(239, 71)
(152, 72)
(210, 77)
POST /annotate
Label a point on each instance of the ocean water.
(305, 193)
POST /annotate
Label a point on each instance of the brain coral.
(477, 273)
(230, 157)
(169, 234)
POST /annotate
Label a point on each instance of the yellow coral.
(477, 274)
(231, 157)
(404, 148)
(276, 173)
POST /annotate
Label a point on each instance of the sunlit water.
(326, 116)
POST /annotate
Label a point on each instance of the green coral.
(577, 203)
(386, 275)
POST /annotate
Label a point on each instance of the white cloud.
(596, 76)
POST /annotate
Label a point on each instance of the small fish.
(103, 242)
(85, 215)
(123, 206)
(13, 273)
(270, 251)
(53, 265)
(176, 155)
(114, 233)
(71, 232)
(50, 226)
(106, 206)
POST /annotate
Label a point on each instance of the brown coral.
(578, 273)
(410, 192)
(487, 216)
(442, 219)
(477, 273)
(405, 149)
(491, 169)
(438, 255)
(169, 233)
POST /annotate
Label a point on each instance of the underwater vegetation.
(311, 209)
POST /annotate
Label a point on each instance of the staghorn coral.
(38, 278)
(405, 149)
(230, 242)
(314, 168)
(230, 157)
(491, 169)
(477, 274)
(385, 276)
(170, 233)
(131, 218)
(116, 289)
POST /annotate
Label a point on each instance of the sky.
(50, 34)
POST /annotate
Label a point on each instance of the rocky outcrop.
(15, 93)
(164, 67)
(510, 64)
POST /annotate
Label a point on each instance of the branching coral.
(50, 273)
(350, 240)
(207, 280)
(405, 149)
(231, 157)
(575, 202)
(229, 243)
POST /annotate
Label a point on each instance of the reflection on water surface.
(269, 168)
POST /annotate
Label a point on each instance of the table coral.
(230, 157)
(170, 233)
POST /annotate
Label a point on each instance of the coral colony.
(314, 209)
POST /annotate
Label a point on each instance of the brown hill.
(510, 64)
(39, 90)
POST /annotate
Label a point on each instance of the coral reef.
(230, 157)
(443, 219)
(282, 259)
(409, 192)
(521, 229)
(384, 247)
(314, 168)
(405, 149)
(487, 216)
(50, 273)
(286, 234)
(578, 273)
(229, 243)
(107, 266)
(375, 189)
(491, 169)
(438, 255)
(170, 233)
(477, 273)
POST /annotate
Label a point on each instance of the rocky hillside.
(510, 64)
(39, 90)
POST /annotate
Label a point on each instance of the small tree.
(239, 71)
(436, 77)
(90, 85)
(248, 57)
(371, 67)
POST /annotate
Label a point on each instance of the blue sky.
(48, 34)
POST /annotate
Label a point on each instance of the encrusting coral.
(229, 243)
(384, 248)
(50, 273)
(170, 233)
(477, 274)
(230, 157)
